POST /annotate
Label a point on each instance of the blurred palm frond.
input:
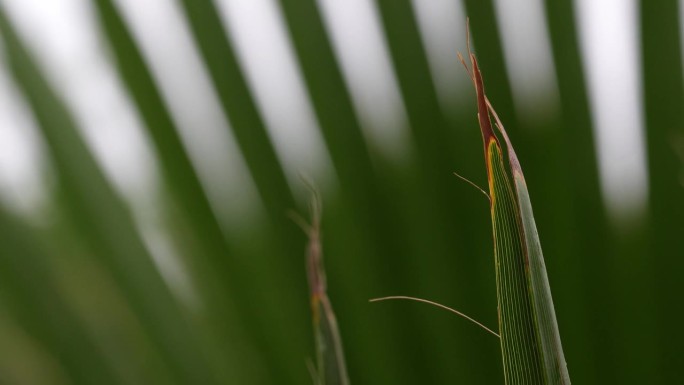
(87, 297)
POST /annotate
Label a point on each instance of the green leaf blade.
(530, 341)
(519, 334)
(104, 219)
(540, 290)
(554, 358)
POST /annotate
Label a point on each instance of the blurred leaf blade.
(530, 341)
(663, 99)
(362, 197)
(33, 294)
(588, 235)
(104, 219)
(393, 224)
(220, 58)
(215, 259)
(439, 147)
(176, 163)
(239, 106)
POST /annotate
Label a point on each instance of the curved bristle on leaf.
(439, 305)
(530, 341)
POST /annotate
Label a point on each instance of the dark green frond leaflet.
(530, 341)
(520, 343)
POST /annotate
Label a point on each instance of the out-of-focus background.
(150, 151)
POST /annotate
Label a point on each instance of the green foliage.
(530, 342)
(86, 303)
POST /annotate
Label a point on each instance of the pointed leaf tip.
(482, 111)
(530, 341)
